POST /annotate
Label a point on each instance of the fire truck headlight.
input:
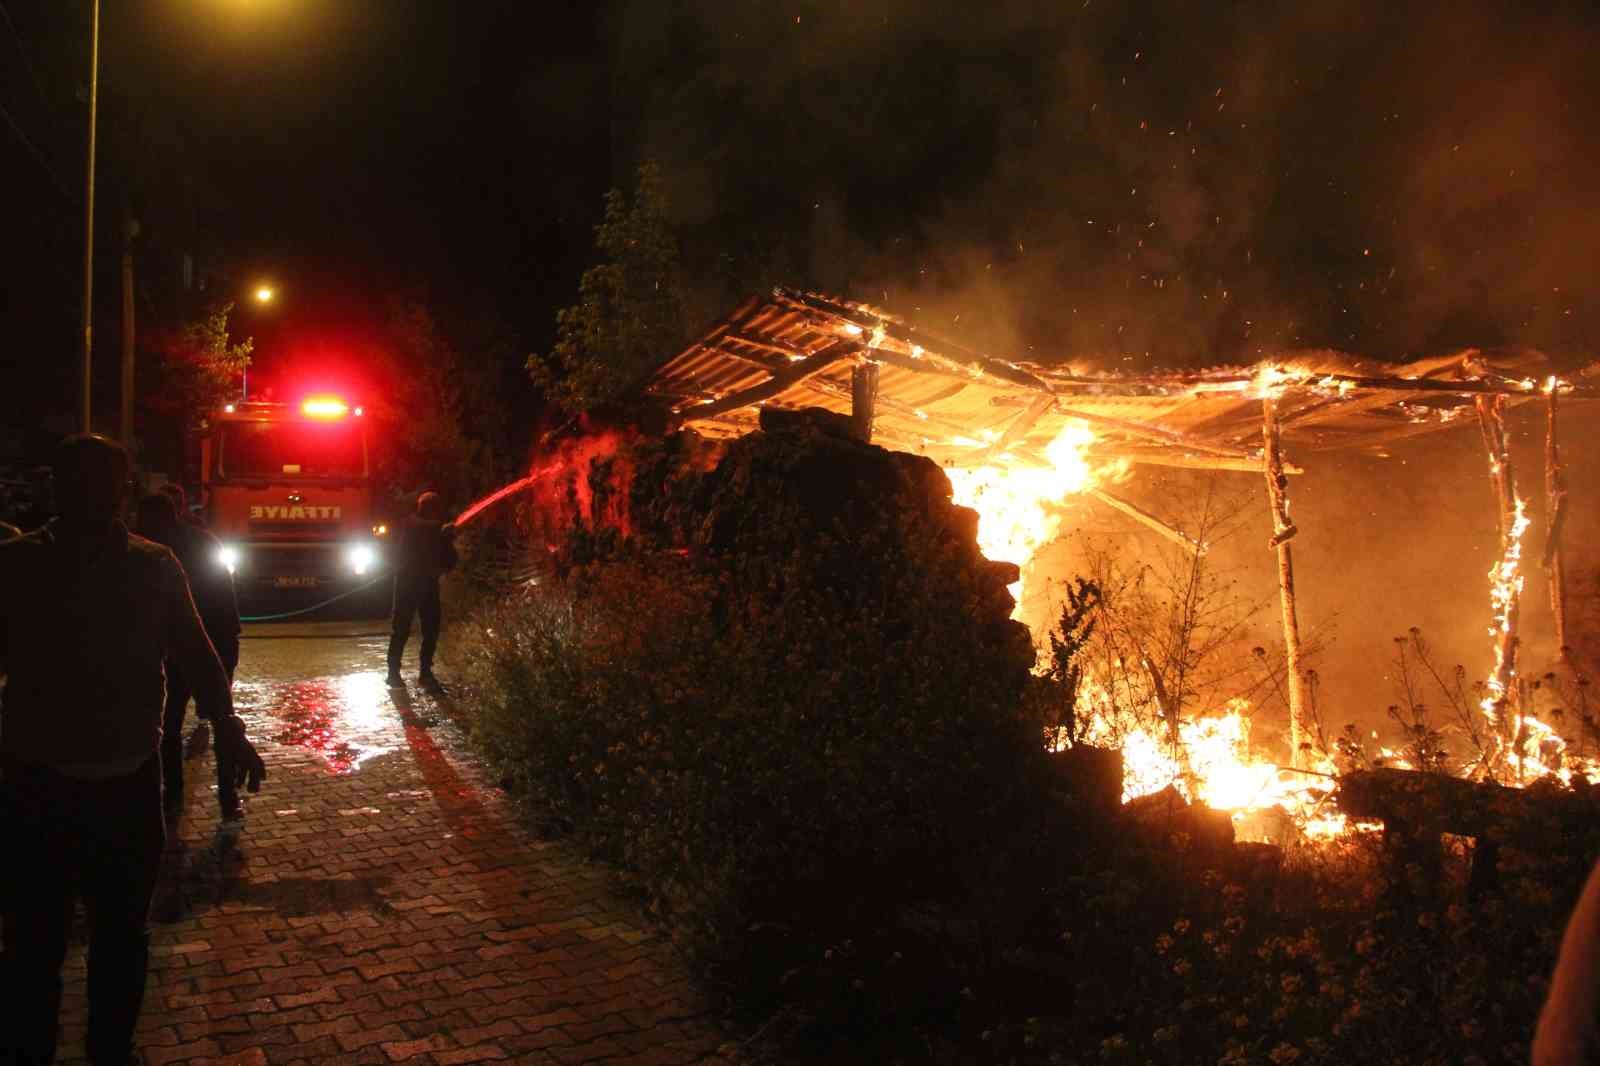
(361, 557)
(228, 558)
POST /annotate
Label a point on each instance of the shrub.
(801, 734)
(787, 743)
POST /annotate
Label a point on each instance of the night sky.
(1173, 182)
(349, 152)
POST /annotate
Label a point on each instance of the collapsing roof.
(916, 392)
(925, 394)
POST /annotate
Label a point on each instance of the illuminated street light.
(265, 294)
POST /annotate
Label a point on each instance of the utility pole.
(88, 224)
(130, 230)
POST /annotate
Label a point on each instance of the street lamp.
(88, 219)
(263, 294)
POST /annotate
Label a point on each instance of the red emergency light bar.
(325, 407)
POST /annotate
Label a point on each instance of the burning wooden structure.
(913, 391)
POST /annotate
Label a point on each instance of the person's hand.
(239, 755)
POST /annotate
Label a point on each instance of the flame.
(1212, 764)
(1020, 511)
(1019, 506)
(1210, 760)
(1270, 381)
(1505, 589)
(1337, 385)
(1531, 747)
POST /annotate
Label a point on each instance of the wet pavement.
(382, 901)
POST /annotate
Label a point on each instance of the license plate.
(294, 582)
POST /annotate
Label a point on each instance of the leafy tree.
(447, 422)
(204, 368)
(629, 312)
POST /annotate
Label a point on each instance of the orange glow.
(1019, 507)
(324, 407)
(1022, 497)
(1212, 764)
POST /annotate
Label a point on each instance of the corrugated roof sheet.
(791, 349)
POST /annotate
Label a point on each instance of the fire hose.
(314, 606)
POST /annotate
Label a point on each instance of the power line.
(33, 75)
(38, 154)
(38, 89)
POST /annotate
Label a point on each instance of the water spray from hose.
(494, 497)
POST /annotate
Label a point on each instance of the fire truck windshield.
(290, 450)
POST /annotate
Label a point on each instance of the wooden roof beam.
(1148, 520)
(1019, 427)
(1196, 462)
(1165, 436)
(869, 323)
(764, 345)
(780, 380)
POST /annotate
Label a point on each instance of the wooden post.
(1555, 491)
(1506, 576)
(863, 398)
(1283, 531)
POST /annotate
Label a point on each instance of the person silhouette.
(88, 614)
(424, 553)
(211, 585)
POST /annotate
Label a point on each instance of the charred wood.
(1177, 822)
(1092, 776)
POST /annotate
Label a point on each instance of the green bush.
(1331, 958)
(807, 736)
(786, 747)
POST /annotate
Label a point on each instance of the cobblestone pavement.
(382, 903)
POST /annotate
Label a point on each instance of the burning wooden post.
(1505, 590)
(863, 398)
(1555, 490)
(1283, 531)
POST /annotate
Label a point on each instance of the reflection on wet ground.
(380, 889)
(344, 720)
(320, 688)
(313, 696)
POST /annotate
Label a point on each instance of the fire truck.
(288, 490)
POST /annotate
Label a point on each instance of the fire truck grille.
(298, 529)
(277, 565)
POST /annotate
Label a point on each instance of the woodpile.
(805, 481)
(1091, 777)
(1184, 826)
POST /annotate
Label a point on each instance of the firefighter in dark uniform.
(212, 587)
(424, 552)
(88, 613)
